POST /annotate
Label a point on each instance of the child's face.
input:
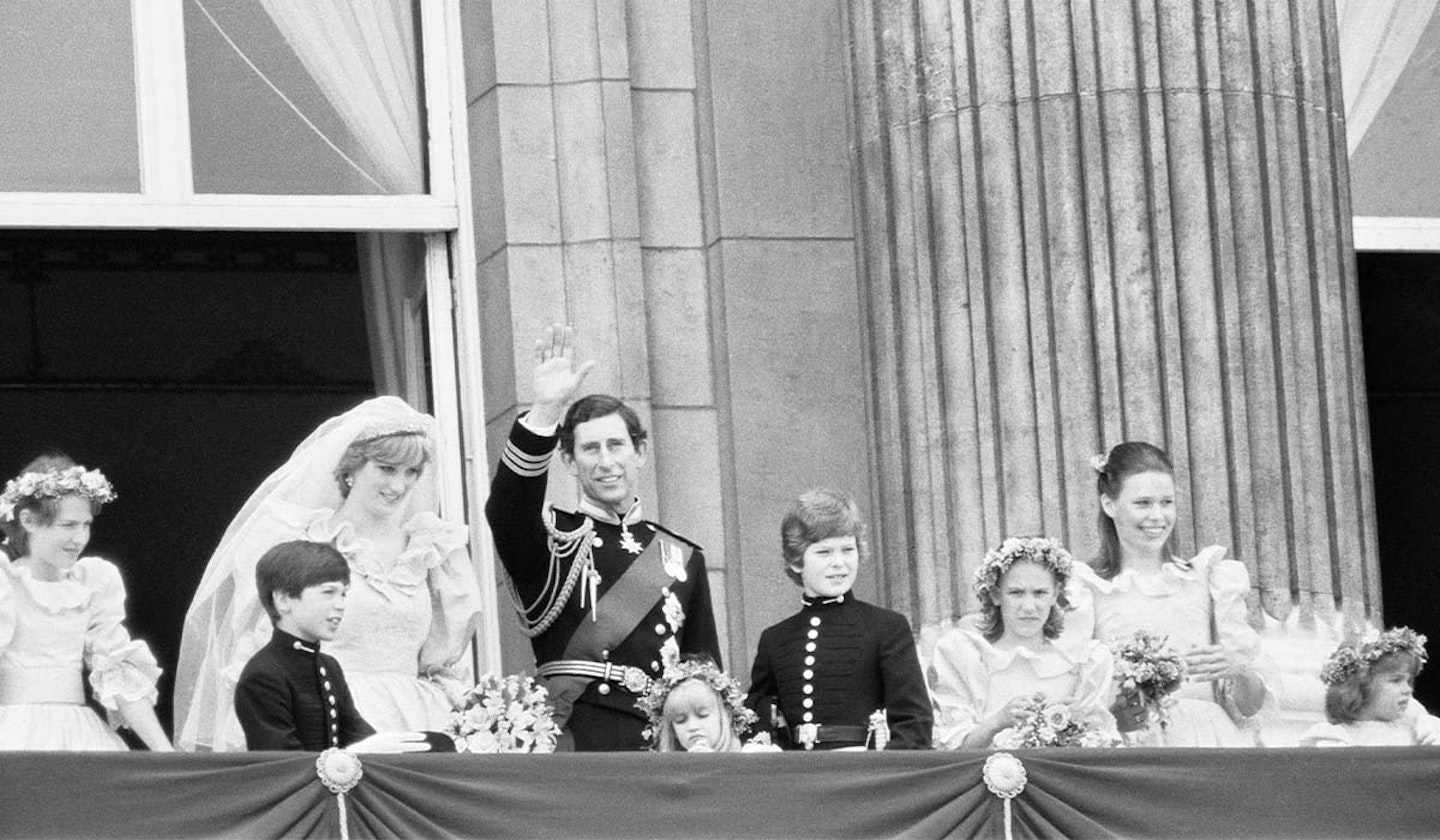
(58, 544)
(1026, 595)
(693, 711)
(315, 615)
(827, 568)
(1390, 693)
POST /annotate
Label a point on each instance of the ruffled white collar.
(71, 591)
(1050, 661)
(1170, 578)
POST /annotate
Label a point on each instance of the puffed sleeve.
(958, 686)
(1096, 691)
(454, 591)
(1080, 618)
(121, 668)
(1229, 583)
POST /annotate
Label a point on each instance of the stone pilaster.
(1088, 222)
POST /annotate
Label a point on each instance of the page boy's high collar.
(817, 603)
(292, 642)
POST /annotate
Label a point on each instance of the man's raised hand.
(556, 377)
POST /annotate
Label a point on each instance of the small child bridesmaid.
(1369, 695)
(60, 613)
(696, 707)
(982, 679)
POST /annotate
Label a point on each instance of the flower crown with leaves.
(652, 702)
(1042, 550)
(1352, 659)
(52, 484)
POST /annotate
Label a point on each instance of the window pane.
(67, 96)
(305, 99)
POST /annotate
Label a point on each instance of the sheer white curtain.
(363, 56)
(1377, 38)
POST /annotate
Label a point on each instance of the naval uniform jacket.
(293, 697)
(679, 611)
(834, 663)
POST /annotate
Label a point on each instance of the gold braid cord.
(554, 594)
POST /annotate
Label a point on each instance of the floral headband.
(1042, 550)
(652, 702)
(1351, 659)
(375, 431)
(71, 481)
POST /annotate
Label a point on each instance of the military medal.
(628, 541)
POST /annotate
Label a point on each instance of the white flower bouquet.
(1050, 724)
(510, 714)
(1148, 670)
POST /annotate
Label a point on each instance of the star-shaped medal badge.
(628, 541)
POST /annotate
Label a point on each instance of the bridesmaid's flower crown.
(1352, 659)
(652, 702)
(1041, 550)
(52, 484)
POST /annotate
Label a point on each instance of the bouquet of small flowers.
(1148, 670)
(1048, 724)
(509, 714)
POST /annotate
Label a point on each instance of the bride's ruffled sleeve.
(121, 668)
(957, 688)
(454, 591)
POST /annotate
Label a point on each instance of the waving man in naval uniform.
(605, 595)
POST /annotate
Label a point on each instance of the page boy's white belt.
(632, 679)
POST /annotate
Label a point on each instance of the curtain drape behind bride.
(363, 56)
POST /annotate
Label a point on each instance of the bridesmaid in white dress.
(1138, 583)
(981, 677)
(365, 482)
(61, 612)
(1370, 695)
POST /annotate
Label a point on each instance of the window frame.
(168, 199)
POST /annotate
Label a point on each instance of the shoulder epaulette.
(657, 526)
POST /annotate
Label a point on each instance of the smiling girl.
(1139, 583)
(62, 612)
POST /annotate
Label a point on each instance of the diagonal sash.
(623, 606)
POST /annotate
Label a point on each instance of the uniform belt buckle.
(808, 734)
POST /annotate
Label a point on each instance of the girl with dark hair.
(1369, 695)
(1140, 583)
(62, 612)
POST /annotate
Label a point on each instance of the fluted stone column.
(1088, 222)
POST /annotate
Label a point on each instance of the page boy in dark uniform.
(606, 596)
(290, 695)
(841, 672)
